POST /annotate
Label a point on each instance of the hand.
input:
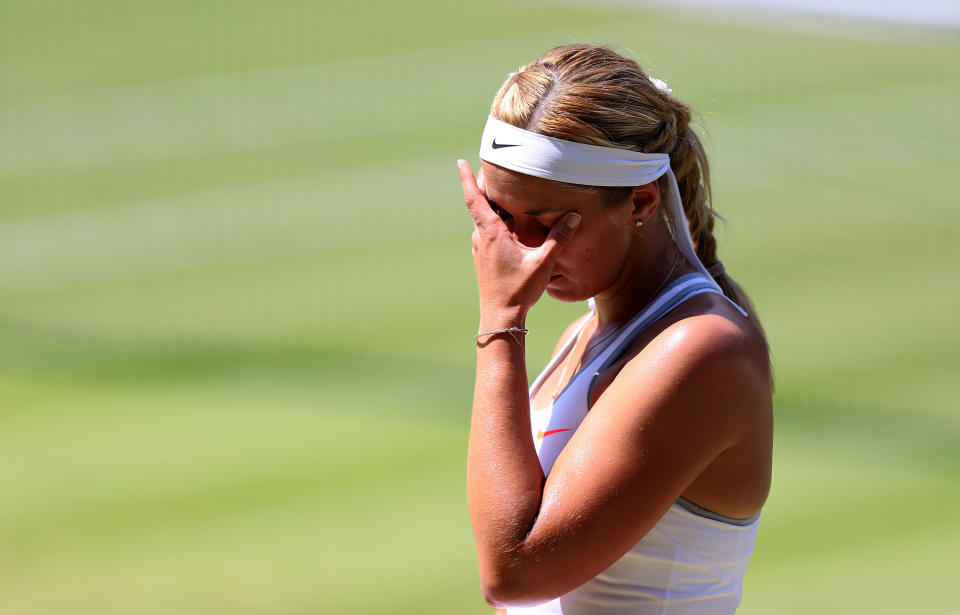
(511, 276)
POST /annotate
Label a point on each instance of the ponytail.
(692, 170)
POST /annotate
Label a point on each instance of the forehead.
(513, 190)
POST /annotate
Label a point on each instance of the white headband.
(531, 153)
(535, 154)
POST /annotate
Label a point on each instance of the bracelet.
(513, 331)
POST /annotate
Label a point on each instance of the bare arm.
(633, 456)
(504, 479)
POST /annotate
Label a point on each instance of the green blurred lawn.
(236, 298)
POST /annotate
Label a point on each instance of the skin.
(686, 411)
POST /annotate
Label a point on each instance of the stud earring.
(638, 222)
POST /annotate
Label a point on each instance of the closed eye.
(504, 214)
(548, 217)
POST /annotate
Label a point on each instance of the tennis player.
(628, 478)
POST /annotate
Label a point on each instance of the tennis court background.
(236, 296)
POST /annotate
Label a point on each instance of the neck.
(653, 262)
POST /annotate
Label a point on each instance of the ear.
(645, 201)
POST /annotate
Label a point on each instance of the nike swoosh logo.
(496, 145)
(550, 432)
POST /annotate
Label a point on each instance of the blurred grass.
(236, 298)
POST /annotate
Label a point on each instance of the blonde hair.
(590, 94)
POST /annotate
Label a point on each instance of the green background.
(236, 296)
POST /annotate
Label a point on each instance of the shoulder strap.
(673, 295)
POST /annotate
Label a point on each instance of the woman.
(629, 477)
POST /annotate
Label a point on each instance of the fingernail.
(572, 220)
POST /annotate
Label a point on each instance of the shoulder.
(704, 335)
(703, 361)
(713, 364)
(709, 343)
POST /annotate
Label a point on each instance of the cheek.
(599, 249)
(596, 261)
(590, 265)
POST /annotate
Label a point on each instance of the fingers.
(559, 235)
(481, 211)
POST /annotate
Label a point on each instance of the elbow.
(497, 592)
(506, 588)
(500, 593)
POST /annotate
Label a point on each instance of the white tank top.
(692, 561)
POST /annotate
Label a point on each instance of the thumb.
(560, 234)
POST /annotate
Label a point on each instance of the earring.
(638, 222)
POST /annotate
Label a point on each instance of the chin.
(566, 295)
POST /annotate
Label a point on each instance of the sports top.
(693, 560)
